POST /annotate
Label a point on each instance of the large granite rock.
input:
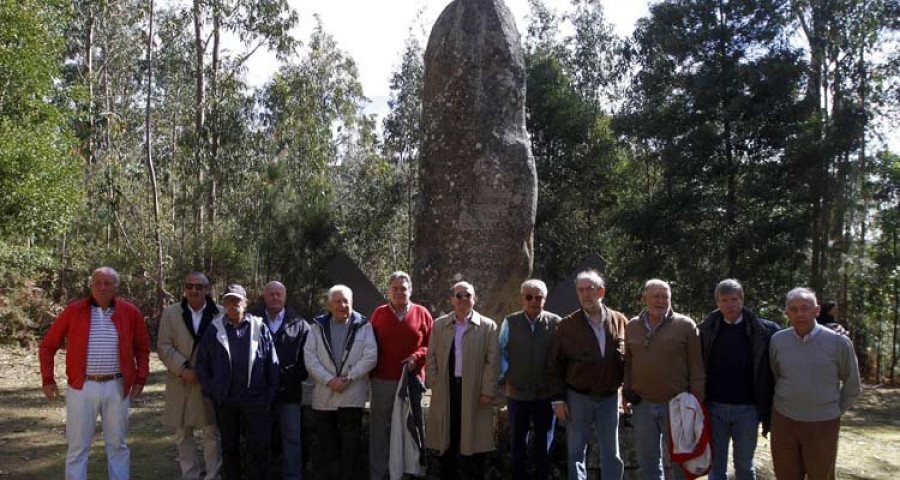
(477, 177)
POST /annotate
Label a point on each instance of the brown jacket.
(667, 364)
(575, 362)
(481, 368)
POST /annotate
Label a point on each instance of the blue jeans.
(603, 415)
(82, 407)
(739, 423)
(651, 427)
(289, 426)
(521, 416)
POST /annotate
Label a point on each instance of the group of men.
(232, 371)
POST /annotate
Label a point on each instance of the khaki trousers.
(804, 449)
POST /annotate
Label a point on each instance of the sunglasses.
(194, 286)
(530, 297)
(462, 295)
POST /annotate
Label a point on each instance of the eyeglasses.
(194, 286)
(462, 295)
(530, 297)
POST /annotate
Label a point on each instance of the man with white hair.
(289, 332)
(586, 366)
(525, 340)
(107, 364)
(816, 382)
(461, 368)
(663, 358)
(402, 329)
(339, 354)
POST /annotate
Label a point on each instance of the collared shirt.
(401, 314)
(809, 336)
(103, 343)
(736, 322)
(197, 316)
(645, 320)
(460, 329)
(275, 323)
(597, 325)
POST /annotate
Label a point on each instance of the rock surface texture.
(478, 181)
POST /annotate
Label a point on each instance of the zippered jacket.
(214, 362)
(74, 327)
(360, 357)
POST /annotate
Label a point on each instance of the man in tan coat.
(462, 367)
(180, 329)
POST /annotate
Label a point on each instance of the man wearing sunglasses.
(525, 339)
(461, 368)
(586, 366)
(181, 327)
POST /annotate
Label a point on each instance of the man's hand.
(338, 384)
(627, 408)
(136, 390)
(562, 411)
(51, 391)
(486, 399)
(189, 377)
(410, 363)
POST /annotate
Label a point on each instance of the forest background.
(723, 138)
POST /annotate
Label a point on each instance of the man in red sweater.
(107, 363)
(402, 330)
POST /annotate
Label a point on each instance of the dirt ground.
(32, 430)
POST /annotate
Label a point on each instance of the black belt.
(104, 378)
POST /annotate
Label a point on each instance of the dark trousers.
(338, 434)
(521, 415)
(453, 464)
(253, 421)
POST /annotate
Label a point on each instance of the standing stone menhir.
(477, 177)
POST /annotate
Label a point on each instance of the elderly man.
(816, 382)
(587, 364)
(339, 353)
(289, 331)
(181, 327)
(107, 363)
(238, 370)
(461, 368)
(663, 358)
(402, 330)
(739, 382)
(525, 340)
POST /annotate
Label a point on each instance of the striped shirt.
(103, 343)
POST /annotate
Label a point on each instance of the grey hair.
(200, 274)
(466, 285)
(342, 289)
(800, 292)
(275, 284)
(107, 271)
(400, 275)
(729, 285)
(592, 275)
(534, 283)
(657, 283)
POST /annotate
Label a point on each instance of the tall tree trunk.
(199, 122)
(215, 130)
(151, 169)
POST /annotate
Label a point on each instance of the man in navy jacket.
(238, 370)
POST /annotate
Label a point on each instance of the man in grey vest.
(525, 340)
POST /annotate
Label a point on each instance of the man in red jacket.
(107, 363)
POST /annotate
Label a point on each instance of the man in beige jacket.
(180, 329)
(461, 368)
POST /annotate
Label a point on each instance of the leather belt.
(104, 378)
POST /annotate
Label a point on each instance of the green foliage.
(38, 173)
